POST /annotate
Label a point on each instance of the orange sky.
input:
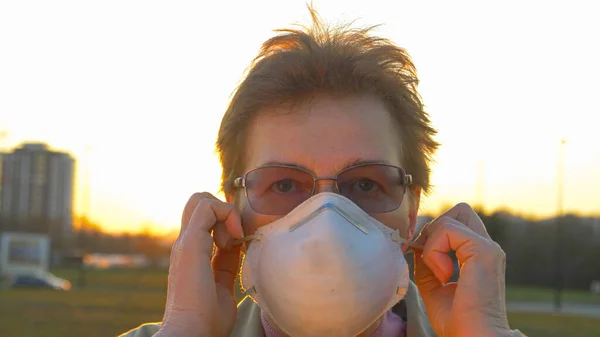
(144, 85)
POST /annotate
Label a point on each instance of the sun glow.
(136, 90)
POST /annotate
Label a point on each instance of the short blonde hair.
(299, 63)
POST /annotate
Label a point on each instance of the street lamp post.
(85, 216)
(558, 246)
(480, 183)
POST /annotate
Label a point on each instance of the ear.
(413, 211)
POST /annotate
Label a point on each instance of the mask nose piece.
(333, 207)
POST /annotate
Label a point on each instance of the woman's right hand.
(475, 305)
(200, 298)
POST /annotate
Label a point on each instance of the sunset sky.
(144, 84)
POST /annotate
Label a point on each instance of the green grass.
(146, 278)
(549, 325)
(547, 294)
(113, 302)
(118, 300)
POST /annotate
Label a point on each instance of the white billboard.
(24, 253)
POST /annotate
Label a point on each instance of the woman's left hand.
(475, 305)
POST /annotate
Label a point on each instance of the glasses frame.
(240, 182)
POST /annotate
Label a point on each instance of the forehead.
(324, 134)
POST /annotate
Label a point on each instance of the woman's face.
(325, 135)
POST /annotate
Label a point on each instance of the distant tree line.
(91, 239)
(563, 251)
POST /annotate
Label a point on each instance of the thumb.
(425, 278)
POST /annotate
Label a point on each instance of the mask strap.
(247, 238)
(250, 291)
(411, 244)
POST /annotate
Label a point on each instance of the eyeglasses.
(278, 189)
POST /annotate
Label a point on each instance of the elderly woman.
(325, 149)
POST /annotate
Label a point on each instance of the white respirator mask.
(325, 269)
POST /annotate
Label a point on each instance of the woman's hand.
(200, 299)
(475, 305)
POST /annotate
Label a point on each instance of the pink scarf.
(391, 326)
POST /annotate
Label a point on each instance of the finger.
(186, 215)
(447, 234)
(424, 278)
(225, 265)
(222, 238)
(464, 214)
(209, 212)
(190, 274)
(461, 212)
(190, 206)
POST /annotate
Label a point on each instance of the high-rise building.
(36, 190)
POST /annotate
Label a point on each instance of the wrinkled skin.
(324, 136)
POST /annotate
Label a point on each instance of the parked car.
(40, 280)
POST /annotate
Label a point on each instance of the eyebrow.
(276, 163)
(361, 161)
(351, 163)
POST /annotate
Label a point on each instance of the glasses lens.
(374, 188)
(276, 190)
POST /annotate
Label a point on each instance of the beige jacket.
(248, 323)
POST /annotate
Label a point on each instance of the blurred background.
(109, 112)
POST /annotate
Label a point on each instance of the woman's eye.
(366, 185)
(284, 186)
